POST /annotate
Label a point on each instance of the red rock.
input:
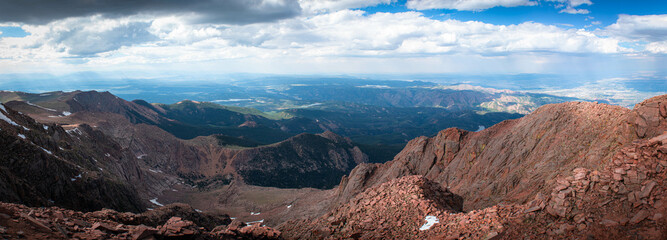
(142, 232)
(40, 225)
(609, 223)
(640, 216)
(646, 190)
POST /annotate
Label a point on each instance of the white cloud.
(569, 6)
(652, 28)
(350, 40)
(466, 5)
(572, 10)
(657, 47)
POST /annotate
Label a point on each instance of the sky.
(593, 38)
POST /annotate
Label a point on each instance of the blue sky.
(606, 12)
(592, 38)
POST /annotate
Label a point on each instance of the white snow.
(74, 178)
(149, 209)
(35, 105)
(21, 136)
(107, 155)
(141, 156)
(25, 128)
(154, 201)
(232, 218)
(198, 210)
(74, 130)
(250, 223)
(66, 113)
(289, 206)
(46, 127)
(430, 221)
(100, 168)
(47, 151)
(6, 119)
(255, 213)
(155, 171)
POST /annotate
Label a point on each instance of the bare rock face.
(510, 161)
(79, 168)
(649, 118)
(567, 171)
(624, 198)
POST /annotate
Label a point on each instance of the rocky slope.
(79, 168)
(513, 160)
(305, 160)
(572, 168)
(624, 199)
(174, 221)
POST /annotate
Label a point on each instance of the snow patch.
(66, 113)
(198, 210)
(289, 206)
(74, 130)
(76, 177)
(100, 168)
(250, 223)
(47, 151)
(430, 221)
(154, 201)
(155, 171)
(255, 213)
(107, 155)
(35, 105)
(141, 156)
(5, 118)
(21, 136)
(45, 127)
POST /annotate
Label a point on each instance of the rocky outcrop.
(18, 221)
(621, 198)
(625, 199)
(410, 207)
(513, 160)
(79, 168)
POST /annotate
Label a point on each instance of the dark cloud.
(206, 11)
(85, 43)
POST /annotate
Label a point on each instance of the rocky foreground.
(626, 200)
(174, 221)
